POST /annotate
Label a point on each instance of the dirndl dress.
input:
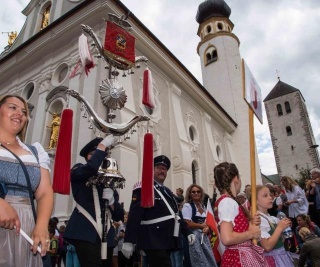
(14, 249)
(244, 254)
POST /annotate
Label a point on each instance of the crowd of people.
(177, 231)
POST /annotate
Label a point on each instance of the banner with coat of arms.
(119, 44)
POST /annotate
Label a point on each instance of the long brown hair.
(22, 133)
(290, 182)
(188, 198)
(224, 173)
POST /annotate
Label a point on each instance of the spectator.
(242, 199)
(315, 191)
(304, 221)
(53, 248)
(194, 214)
(310, 248)
(62, 250)
(297, 202)
(280, 193)
(179, 197)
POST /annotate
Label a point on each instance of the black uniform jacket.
(152, 236)
(79, 227)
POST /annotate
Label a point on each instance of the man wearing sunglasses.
(155, 230)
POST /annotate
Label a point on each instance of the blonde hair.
(304, 232)
(22, 133)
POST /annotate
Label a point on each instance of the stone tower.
(291, 133)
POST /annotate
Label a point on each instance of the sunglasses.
(196, 192)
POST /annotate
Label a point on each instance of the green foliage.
(304, 176)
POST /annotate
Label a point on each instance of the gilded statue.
(55, 126)
(45, 18)
(12, 37)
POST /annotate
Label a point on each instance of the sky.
(274, 35)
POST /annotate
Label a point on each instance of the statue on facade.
(55, 126)
(45, 18)
(12, 37)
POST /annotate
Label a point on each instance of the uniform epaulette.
(137, 185)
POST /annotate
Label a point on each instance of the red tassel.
(148, 96)
(62, 161)
(147, 192)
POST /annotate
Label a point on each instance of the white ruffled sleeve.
(44, 159)
(265, 226)
(187, 211)
(228, 209)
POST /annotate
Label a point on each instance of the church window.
(191, 133)
(211, 55)
(287, 106)
(28, 91)
(289, 132)
(220, 26)
(209, 29)
(279, 109)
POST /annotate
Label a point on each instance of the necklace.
(7, 143)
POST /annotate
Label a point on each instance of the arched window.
(279, 109)
(287, 106)
(288, 129)
(211, 55)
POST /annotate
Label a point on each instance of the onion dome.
(212, 8)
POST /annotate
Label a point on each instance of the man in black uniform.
(84, 229)
(155, 230)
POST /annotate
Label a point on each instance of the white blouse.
(265, 226)
(187, 212)
(43, 156)
(228, 210)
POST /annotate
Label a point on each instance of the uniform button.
(158, 227)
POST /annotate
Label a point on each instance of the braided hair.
(224, 173)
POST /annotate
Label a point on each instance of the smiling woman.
(24, 174)
(194, 214)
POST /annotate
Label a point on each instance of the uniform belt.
(161, 219)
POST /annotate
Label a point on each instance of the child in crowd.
(236, 230)
(271, 230)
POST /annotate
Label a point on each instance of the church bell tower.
(219, 55)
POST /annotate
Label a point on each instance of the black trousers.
(158, 257)
(89, 254)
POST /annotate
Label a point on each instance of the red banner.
(119, 44)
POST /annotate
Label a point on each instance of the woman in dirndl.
(15, 206)
(236, 227)
(194, 214)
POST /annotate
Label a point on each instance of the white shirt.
(297, 208)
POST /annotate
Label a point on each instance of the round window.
(28, 91)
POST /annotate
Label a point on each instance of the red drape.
(62, 161)
(147, 192)
(148, 96)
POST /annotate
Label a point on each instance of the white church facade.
(197, 126)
